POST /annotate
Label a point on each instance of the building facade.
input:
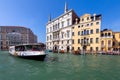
(14, 35)
(110, 41)
(86, 33)
(58, 31)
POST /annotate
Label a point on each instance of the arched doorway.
(68, 48)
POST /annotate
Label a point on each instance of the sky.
(34, 14)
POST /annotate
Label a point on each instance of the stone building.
(14, 35)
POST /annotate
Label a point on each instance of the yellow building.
(106, 40)
(110, 41)
(86, 33)
(116, 41)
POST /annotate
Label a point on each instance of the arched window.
(105, 34)
(109, 34)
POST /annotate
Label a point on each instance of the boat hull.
(34, 57)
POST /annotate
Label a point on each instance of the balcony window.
(87, 32)
(68, 34)
(91, 31)
(82, 33)
(105, 34)
(102, 35)
(109, 34)
(79, 33)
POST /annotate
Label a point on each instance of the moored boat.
(28, 51)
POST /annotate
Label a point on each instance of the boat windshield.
(34, 47)
(29, 48)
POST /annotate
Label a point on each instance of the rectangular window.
(82, 19)
(62, 24)
(72, 41)
(91, 31)
(91, 24)
(62, 35)
(68, 22)
(68, 34)
(96, 48)
(72, 48)
(97, 40)
(87, 32)
(79, 33)
(97, 23)
(91, 40)
(0, 36)
(67, 41)
(97, 30)
(91, 49)
(82, 33)
(87, 18)
(82, 41)
(72, 33)
(62, 42)
(78, 41)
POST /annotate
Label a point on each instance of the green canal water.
(60, 67)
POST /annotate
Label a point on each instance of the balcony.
(56, 30)
(85, 44)
(102, 45)
(56, 39)
(109, 45)
(106, 36)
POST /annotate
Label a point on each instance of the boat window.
(34, 47)
(19, 48)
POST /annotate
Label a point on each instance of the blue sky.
(34, 13)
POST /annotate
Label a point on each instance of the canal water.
(60, 67)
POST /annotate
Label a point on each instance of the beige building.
(110, 41)
(86, 33)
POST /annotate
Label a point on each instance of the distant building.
(110, 41)
(14, 35)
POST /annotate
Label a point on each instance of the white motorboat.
(29, 51)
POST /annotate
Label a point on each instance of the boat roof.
(30, 44)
